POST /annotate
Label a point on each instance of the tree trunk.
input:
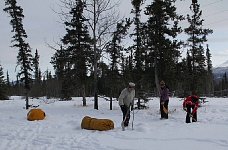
(26, 99)
(156, 77)
(83, 95)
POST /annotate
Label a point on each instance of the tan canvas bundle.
(96, 124)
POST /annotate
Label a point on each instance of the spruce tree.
(36, 67)
(185, 75)
(7, 80)
(24, 58)
(36, 90)
(3, 87)
(163, 46)
(60, 61)
(197, 37)
(209, 77)
(9, 87)
(78, 43)
(114, 49)
(138, 39)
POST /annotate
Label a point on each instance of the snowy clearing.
(61, 129)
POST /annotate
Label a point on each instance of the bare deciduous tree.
(102, 18)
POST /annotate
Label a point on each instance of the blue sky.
(43, 26)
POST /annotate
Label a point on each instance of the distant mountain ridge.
(225, 64)
(219, 71)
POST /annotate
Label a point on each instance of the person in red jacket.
(190, 105)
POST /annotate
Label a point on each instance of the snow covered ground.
(61, 129)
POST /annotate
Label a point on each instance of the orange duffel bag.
(35, 114)
(96, 124)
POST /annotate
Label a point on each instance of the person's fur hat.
(162, 82)
(131, 84)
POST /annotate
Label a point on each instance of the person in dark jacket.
(164, 100)
(126, 100)
(190, 105)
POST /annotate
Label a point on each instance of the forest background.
(93, 57)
